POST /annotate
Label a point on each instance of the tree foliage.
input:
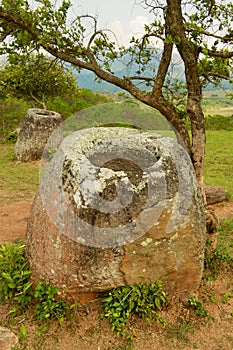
(36, 77)
(199, 30)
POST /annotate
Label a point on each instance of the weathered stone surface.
(7, 339)
(215, 194)
(81, 238)
(37, 127)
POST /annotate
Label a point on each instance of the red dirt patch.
(13, 220)
(223, 210)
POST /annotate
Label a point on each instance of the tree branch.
(216, 75)
(225, 38)
(21, 24)
(42, 103)
(163, 68)
(222, 54)
(137, 77)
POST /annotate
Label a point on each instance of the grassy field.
(19, 180)
(217, 102)
(219, 159)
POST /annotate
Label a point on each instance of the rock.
(215, 194)
(117, 206)
(7, 339)
(37, 127)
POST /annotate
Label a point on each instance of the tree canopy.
(35, 77)
(199, 31)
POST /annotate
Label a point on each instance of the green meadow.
(218, 168)
(18, 180)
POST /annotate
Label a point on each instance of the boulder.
(37, 127)
(117, 206)
(215, 194)
(7, 339)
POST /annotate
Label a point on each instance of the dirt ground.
(184, 331)
(13, 220)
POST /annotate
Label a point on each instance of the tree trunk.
(189, 53)
(198, 152)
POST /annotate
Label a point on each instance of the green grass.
(218, 169)
(18, 180)
(225, 238)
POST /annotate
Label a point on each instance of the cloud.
(136, 25)
(118, 29)
(125, 30)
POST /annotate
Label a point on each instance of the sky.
(124, 17)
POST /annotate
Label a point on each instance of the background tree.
(199, 30)
(37, 80)
(36, 77)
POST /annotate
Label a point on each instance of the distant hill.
(88, 80)
(125, 67)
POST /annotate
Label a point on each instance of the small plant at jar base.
(14, 273)
(180, 330)
(48, 306)
(141, 299)
(226, 298)
(220, 258)
(198, 308)
(15, 286)
(22, 334)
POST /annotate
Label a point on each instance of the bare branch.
(153, 34)
(150, 4)
(136, 77)
(163, 68)
(42, 103)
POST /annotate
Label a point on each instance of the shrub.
(15, 286)
(15, 273)
(219, 122)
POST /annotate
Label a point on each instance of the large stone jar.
(117, 206)
(37, 127)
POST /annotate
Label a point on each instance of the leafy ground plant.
(198, 308)
(15, 286)
(47, 305)
(15, 273)
(141, 299)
